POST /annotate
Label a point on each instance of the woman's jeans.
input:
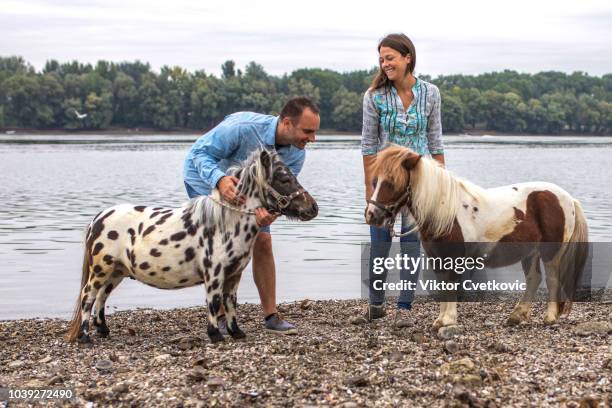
(380, 247)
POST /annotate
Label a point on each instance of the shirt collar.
(270, 136)
(415, 88)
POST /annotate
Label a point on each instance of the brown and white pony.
(451, 213)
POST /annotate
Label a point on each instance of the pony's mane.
(435, 191)
(209, 213)
(390, 163)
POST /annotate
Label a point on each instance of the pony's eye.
(374, 181)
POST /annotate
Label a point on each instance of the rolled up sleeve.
(370, 137)
(434, 124)
(219, 144)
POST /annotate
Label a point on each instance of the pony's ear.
(265, 159)
(410, 160)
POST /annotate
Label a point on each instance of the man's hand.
(263, 217)
(229, 192)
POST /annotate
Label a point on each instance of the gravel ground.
(164, 358)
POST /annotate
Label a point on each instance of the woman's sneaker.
(276, 324)
(375, 312)
(403, 318)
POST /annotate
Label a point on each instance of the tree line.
(132, 95)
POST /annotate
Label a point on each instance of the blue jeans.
(191, 192)
(380, 247)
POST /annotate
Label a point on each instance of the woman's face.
(393, 64)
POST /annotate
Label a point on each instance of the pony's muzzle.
(309, 209)
(374, 216)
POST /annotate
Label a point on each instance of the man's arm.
(219, 144)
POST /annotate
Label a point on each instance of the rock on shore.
(164, 358)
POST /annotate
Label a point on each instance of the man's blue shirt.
(230, 143)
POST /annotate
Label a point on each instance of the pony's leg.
(447, 316)
(438, 322)
(448, 308)
(533, 276)
(552, 283)
(214, 297)
(107, 287)
(230, 302)
(88, 296)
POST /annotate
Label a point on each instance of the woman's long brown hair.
(400, 43)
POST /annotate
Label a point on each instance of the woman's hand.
(263, 217)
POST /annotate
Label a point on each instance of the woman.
(402, 109)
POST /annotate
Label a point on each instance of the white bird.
(79, 115)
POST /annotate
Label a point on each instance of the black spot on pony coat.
(178, 236)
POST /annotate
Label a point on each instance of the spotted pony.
(524, 222)
(206, 241)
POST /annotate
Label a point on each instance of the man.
(231, 142)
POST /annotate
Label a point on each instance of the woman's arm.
(370, 140)
(367, 171)
(434, 128)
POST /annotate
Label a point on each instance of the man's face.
(304, 131)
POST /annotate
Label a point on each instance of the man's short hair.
(295, 106)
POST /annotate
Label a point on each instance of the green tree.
(228, 69)
(70, 108)
(100, 110)
(328, 82)
(126, 110)
(21, 93)
(347, 112)
(207, 103)
(303, 87)
(452, 114)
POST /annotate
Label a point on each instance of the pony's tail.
(573, 261)
(75, 324)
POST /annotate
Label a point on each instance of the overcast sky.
(467, 37)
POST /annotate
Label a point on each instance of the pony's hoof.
(549, 321)
(214, 334)
(215, 338)
(103, 331)
(513, 321)
(238, 334)
(84, 339)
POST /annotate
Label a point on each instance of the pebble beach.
(164, 358)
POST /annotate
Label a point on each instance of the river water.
(52, 186)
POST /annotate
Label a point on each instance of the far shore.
(195, 132)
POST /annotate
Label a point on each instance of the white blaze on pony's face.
(384, 204)
(391, 171)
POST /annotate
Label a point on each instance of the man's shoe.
(403, 318)
(375, 312)
(276, 324)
